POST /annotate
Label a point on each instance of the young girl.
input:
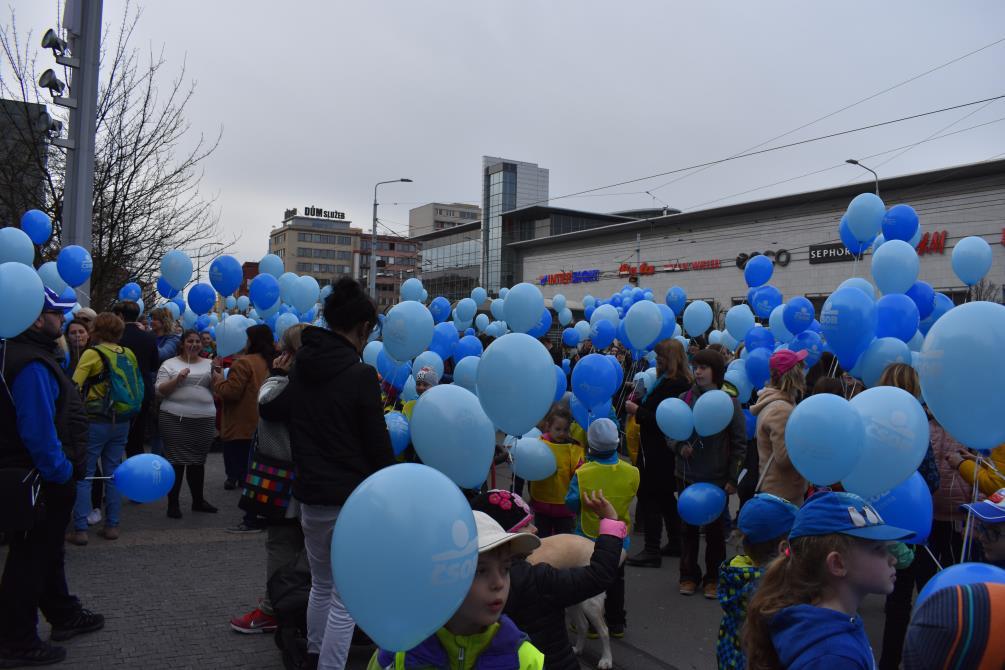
(478, 635)
(548, 495)
(805, 611)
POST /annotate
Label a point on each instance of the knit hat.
(766, 517)
(491, 536)
(85, 314)
(53, 303)
(955, 628)
(784, 360)
(602, 437)
(507, 508)
(714, 360)
(427, 375)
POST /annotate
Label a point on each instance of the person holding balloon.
(162, 324)
(424, 380)
(547, 496)
(714, 454)
(43, 426)
(774, 405)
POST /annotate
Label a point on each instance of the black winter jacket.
(539, 594)
(656, 453)
(333, 409)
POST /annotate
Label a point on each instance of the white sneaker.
(94, 518)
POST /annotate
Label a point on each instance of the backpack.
(124, 396)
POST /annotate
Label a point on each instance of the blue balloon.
(543, 325)
(497, 307)
(50, 276)
(561, 383)
(900, 223)
(759, 336)
(570, 337)
(74, 264)
(676, 299)
(411, 289)
(469, 345)
(909, 506)
(758, 271)
(444, 338)
(758, 366)
(523, 307)
(896, 439)
(466, 373)
(594, 380)
(751, 424)
(558, 302)
(585, 416)
(166, 289)
(865, 216)
(264, 291)
(482, 322)
(466, 309)
(848, 320)
(287, 286)
(284, 321)
(896, 316)
(397, 427)
(880, 354)
(408, 330)
(617, 300)
(202, 323)
(271, 264)
(971, 259)
(533, 460)
(739, 320)
(131, 291)
(452, 433)
(22, 296)
(862, 285)
(16, 247)
(960, 574)
(895, 267)
(602, 334)
(766, 299)
(37, 226)
(941, 305)
(176, 268)
(566, 366)
(923, 296)
(619, 371)
(144, 477)
(440, 309)
(798, 314)
(824, 436)
(243, 302)
(848, 239)
(516, 382)
(811, 343)
(961, 371)
(479, 295)
(588, 312)
(669, 323)
(776, 323)
(391, 371)
(697, 318)
(201, 298)
(178, 302)
(371, 351)
(713, 412)
(402, 597)
(738, 378)
(225, 274)
(701, 504)
(644, 323)
(674, 418)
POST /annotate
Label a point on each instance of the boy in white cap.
(619, 482)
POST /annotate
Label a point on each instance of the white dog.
(574, 551)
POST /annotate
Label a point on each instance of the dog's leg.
(576, 614)
(594, 609)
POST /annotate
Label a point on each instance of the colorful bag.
(268, 486)
(124, 395)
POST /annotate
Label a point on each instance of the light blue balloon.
(739, 320)
(428, 359)
(371, 351)
(503, 292)
(411, 289)
(776, 323)
(861, 284)
(565, 316)
(713, 413)
(188, 318)
(878, 242)
(558, 302)
(479, 295)
(715, 337)
(466, 309)
(466, 373)
(402, 597)
(583, 329)
(451, 433)
(961, 371)
(408, 391)
(306, 293)
(674, 418)
(22, 296)
(225, 274)
(497, 307)
(16, 247)
(176, 268)
(896, 438)
(271, 264)
(971, 259)
(516, 382)
(697, 318)
(916, 342)
(727, 340)
(643, 324)
(144, 477)
(284, 321)
(408, 330)
(532, 459)
(231, 335)
(895, 267)
(881, 353)
(865, 216)
(174, 309)
(523, 307)
(482, 322)
(74, 264)
(589, 301)
(824, 436)
(738, 378)
(287, 286)
(397, 427)
(230, 302)
(607, 313)
(50, 277)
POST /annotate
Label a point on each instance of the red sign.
(685, 266)
(932, 243)
(644, 269)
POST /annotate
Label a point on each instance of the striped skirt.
(186, 440)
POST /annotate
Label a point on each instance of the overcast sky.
(318, 100)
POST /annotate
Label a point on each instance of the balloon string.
(934, 560)
(967, 536)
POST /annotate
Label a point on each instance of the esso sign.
(780, 258)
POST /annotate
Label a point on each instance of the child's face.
(421, 387)
(703, 375)
(486, 598)
(558, 429)
(871, 567)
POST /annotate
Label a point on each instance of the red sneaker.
(255, 621)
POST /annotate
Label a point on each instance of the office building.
(506, 185)
(451, 260)
(435, 216)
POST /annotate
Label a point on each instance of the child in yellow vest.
(548, 495)
(604, 471)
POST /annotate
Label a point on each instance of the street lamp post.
(199, 255)
(373, 239)
(852, 161)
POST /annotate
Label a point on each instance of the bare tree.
(987, 290)
(148, 163)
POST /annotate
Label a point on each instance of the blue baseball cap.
(53, 303)
(766, 517)
(845, 513)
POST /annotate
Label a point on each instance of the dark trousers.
(34, 576)
(196, 476)
(715, 549)
(746, 489)
(553, 525)
(235, 459)
(614, 606)
(658, 503)
(946, 544)
(138, 430)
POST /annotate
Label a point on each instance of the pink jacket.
(954, 490)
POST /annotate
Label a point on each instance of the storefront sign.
(644, 269)
(932, 243)
(575, 277)
(682, 266)
(780, 258)
(315, 212)
(829, 253)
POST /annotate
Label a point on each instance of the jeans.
(105, 441)
(329, 625)
(34, 577)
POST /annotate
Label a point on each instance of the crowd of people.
(301, 423)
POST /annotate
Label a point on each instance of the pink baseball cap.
(784, 360)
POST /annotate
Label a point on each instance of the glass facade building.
(506, 186)
(451, 261)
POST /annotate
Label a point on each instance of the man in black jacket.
(43, 426)
(144, 346)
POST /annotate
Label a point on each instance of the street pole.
(852, 161)
(372, 279)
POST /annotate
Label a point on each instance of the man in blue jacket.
(43, 426)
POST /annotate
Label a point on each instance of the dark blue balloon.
(37, 226)
(618, 370)
(758, 337)
(131, 291)
(811, 343)
(396, 374)
(469, 331)
(543, 325)
(440, 309)
(570, 337)
(676, 299)
(594, 380)
(180, 301)
(638, 294)
(923, 296)
(444, 338)
(798, 314)
(561, 383)
(165, 289)
(896, 316)
(616, 300)
(751, 292)
(584, 415)
(469, 345)
(588, 312)
(815, 327)
(900, 223)
(264, 291)
(758, 367)
(669, 323)
(758, 271)
(942, 305)
(202, 323)
(854, 246)
(566, 365)
(68, 295)
(751, 422)
(848, 320)
(766, 299)
(602, 334)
